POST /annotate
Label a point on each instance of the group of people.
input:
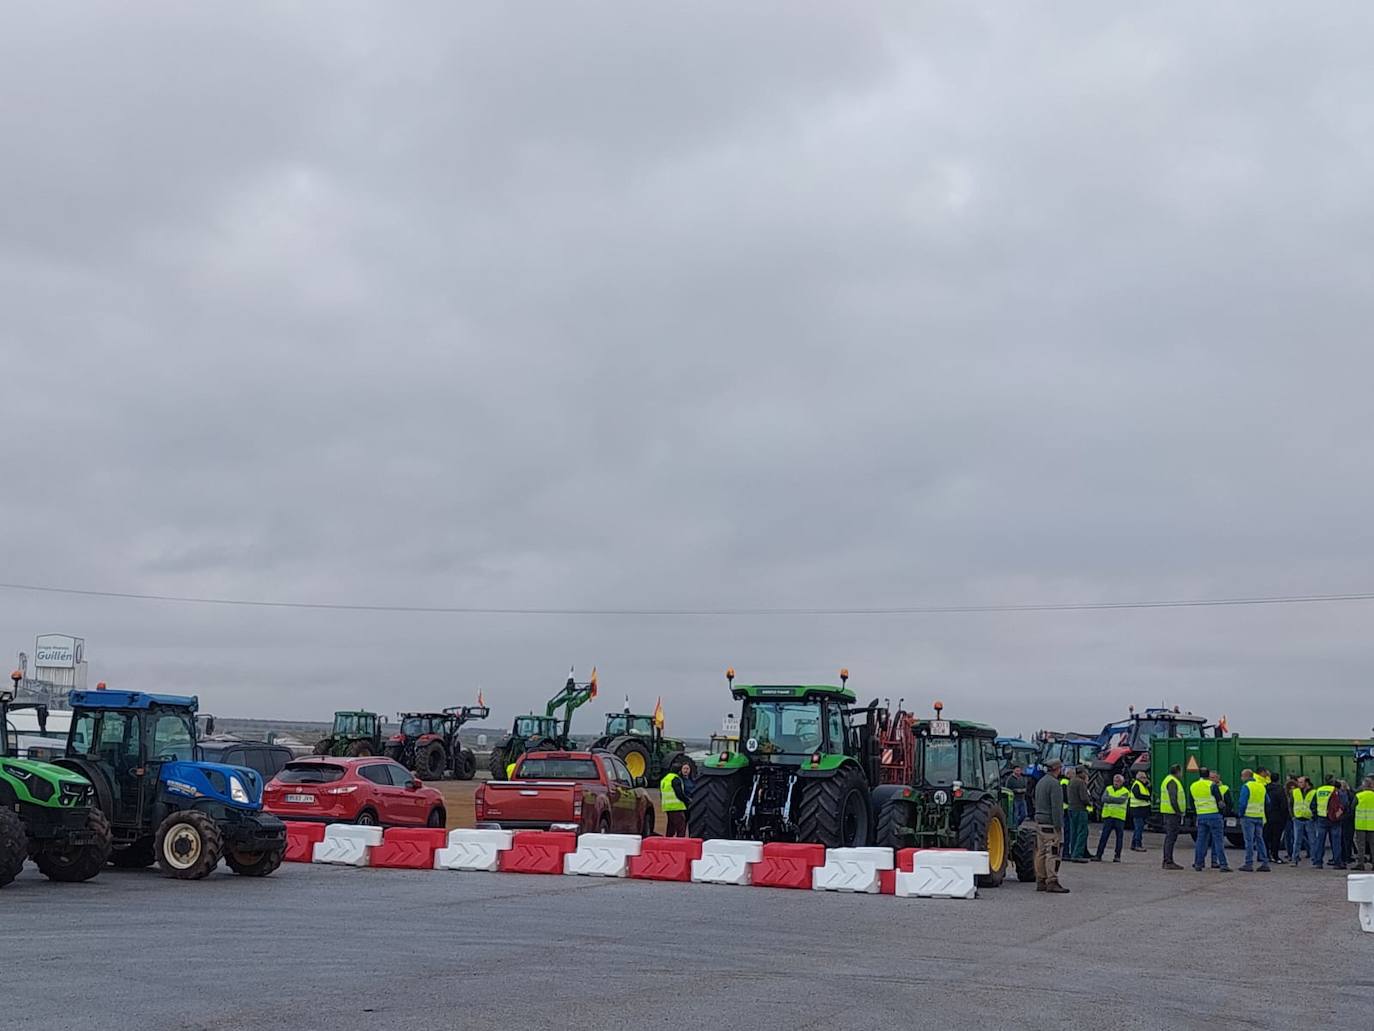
(1294, 816)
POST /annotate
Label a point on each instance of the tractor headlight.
(237, 791)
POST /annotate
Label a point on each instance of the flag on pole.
(658, 714)
(480, 703)
(592, 683)
(1222, 726)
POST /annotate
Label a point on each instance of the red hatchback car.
(368, 790)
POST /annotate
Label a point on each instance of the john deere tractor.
(428, 742)
(804, 771)
(639, 743)
(542, 733)
(47, 813)
(942, 789)
(354, 733)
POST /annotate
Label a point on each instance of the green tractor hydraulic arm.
(571, 698)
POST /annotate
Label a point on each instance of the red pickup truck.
(574, 791)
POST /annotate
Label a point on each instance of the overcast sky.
(691, 306)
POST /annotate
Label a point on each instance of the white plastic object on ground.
(346, 844)
(942, 875)
(726, 862)
(470, 849)
(852, 869)
(1359, 888)
(602, 855)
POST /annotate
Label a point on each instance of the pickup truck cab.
(573, 791)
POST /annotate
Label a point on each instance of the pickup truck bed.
(587, 791)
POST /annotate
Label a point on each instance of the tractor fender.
(846, 762)
(93, 772)
(601, 742)
(884, 793)
(720, 771)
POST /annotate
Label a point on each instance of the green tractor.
(544, 733)
(804, 772)
(941, 788)
(354, 733)
(639, 743)
(47, 813)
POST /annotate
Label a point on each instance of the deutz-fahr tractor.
(139, 752)
(355, 733)
(941, 788)
(542, 733)
(639, 743)
(47, 813)
(1124, 747)
(804, 772)
(428, 742)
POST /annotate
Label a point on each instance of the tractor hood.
(234, 786)
(44, 784)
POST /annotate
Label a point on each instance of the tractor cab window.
(623, 723)
(414, 726)
(529, 726)
(939, 760)
(992, 762)
(345, 724)
(835, 729)
(970, 762)
(173, 737)
(787, 727)
(1188, 730)
(110, 736)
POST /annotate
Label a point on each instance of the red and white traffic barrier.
(602, 855)
(470, 849)
(942, 874)
(345, 844)
(726, 862)
(853, 869)
(665, 859)
(1359, 888)
(408, 848)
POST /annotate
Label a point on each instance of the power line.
(901, 610)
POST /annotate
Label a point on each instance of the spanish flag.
(658, 714)
(592, 683)
(480, 703)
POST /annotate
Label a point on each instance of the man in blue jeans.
(1139, 809)
(1323, 827)
(1207, 804)
(1250, 806)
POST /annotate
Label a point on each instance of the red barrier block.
(665, 859)
(408, 848)
(301, 839)
(538, 852)
(905, 862)
(787, 865)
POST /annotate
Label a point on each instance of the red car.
(368, 790)
(573, 791)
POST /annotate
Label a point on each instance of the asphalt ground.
(323, 947)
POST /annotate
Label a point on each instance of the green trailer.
(1310, 757)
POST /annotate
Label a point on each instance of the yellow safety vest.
(1204, 803)
(671, 803)
(1140, 795)
(1364, 811)
(510, 769)
(1302, 804)
(1324, 794)
(1115, 809)
(1166, 806)
(1254, 804)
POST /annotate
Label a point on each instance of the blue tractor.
(139, 752)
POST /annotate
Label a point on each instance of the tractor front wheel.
(189, 845)
(496, 765)
(322, 746)
(430, 761)
(1023, 852)
(77, 862)
(359, 748)
(465, 765)
(835, 811)
(716, 805)
(13, 845)
(983, 828)
(253, 864)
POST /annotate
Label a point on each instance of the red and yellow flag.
(658, 714)
(480, 703)
(592, 683)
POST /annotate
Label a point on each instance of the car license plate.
(939, 728)
(302, 799)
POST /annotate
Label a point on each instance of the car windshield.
(789, 727)
(556, 769)
(939, 760)
(309, 773)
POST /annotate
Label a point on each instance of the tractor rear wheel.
(1023, 852)
(465, 765)
(189, 845)
(634, 755)
(430, 761)
(676, 761)
(253, 864)
(322, 746)
(983, 828)
(77, 862)
(137, 856)
(396, 753)
(894, 824)
(835, 811)
(359, 748)
(13, 845)
(716, 805)
(496, 765)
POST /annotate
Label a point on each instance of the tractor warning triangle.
(1192, 763)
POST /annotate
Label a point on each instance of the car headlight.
(237, 791)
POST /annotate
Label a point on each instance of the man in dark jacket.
(1080, 800)
(1016, 784)
(1275, 813)
(1049, 814)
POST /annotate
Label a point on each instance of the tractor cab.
(794, 725)
(1134, 733)
(355, 732)
(1015, 752)
(535, 726)
(1364, 762)
(618, 723)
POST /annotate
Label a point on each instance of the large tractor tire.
(253, 864)
(78, 862)
(465, 765)
(189, 845)
(983, 828)
(1023, 852)
(716, 805)
(634, 754)
(894, 824)
(430, 761)
(396, 753)
(496, 764)
(359, 748)
(14, 846)
(138, 856)
(835, 811)
(322, 746)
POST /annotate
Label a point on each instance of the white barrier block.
(726, 862)
(470, 849)
(852, 869)
(602, 855)
(1360, 889)
(749, 851)
(346, 844)
(943, 874)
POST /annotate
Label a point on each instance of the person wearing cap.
(1049, 817)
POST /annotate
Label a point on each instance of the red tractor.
(1124, 747)
(428, 742)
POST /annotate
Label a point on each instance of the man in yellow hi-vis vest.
(1364, 825)
(1250, 806)
(1207, 802)
(672, 790)
(1115, 800)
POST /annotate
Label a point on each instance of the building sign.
(58, 651)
